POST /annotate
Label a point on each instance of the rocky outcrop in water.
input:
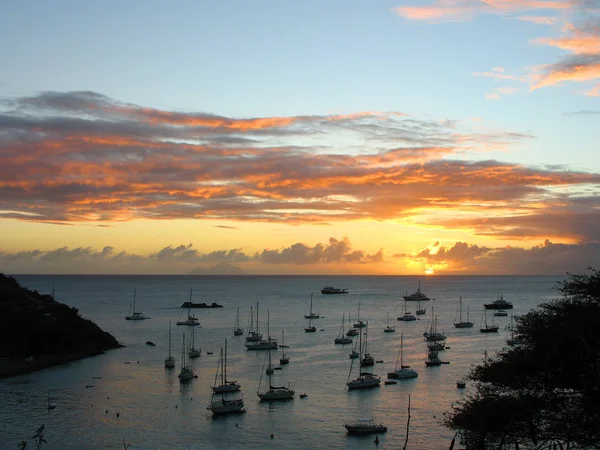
(38, 332)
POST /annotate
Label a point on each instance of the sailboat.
(223, 405)
(512, 340)
(433, 359)
(191, 320)
(359, 323)
(485, 328)
(387, 328)
(170, 361)
(134, 315)
(367, 360)
(253, 334)
(460, 323)
(341, 339)
(420, 311)
(274, 392)
(226, 385)
(262, 344)
(186, 373)
(401, 371)
(193, 352)
(285, 359)
(311, 314)
(365, 379)
(237, 331)
(433, 334)
(407, 317)
(310, 328)
(354, 353)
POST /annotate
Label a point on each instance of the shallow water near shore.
(127, 395)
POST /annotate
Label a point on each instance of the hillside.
(38, 332)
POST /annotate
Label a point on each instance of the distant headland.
(38, 332)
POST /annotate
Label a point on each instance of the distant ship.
(332, 290)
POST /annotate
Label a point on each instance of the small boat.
(311, 314)
(387, 328)
(352, 332)
(268, 344)
(365, 426)
(417, 296)
(485, 328)
(461, 323)
(274, 392)
(193, 352)
(170, 361)
(499, 303)
(433, 359)
(285, 359)
(420, 311)
(390, 382)
(134, 315)
(341, 339)
(401, 371)
(303, 395)
(368, 359)
(191, 320)
(512, 340)
(237, 330)
(186, 373)
(407, 317)
(226, 385)
(359, 323)
(435, 345)
(461, 384)
(500, 313)
(433, 334)
(365, 379)
(330, 290)
(222, 405)
(150, 343)
(253, 334)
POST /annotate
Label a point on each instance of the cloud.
(546, 259)
(501, 91)
(183, 258)
(84, 158)
(540, 20)
(335, 255)
(462, 10)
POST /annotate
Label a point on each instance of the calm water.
(156, 411)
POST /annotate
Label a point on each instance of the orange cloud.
(461, 10)
(112, 167)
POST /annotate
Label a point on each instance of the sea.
(126, 398)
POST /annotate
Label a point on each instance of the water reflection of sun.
(429, 271)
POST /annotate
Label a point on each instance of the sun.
(429, 271)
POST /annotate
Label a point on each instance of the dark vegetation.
(545, 392)
(36, 331)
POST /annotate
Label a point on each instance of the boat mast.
(225, 364)
(134, 301)
(169, 339)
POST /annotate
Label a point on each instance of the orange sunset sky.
(393, 138)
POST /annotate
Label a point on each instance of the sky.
(446, 137)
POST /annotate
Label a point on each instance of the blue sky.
(492, 73)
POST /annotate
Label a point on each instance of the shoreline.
(10, 368)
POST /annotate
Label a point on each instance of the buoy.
(272, 436)
(106, 411)
(118, 414)
(376, 440)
